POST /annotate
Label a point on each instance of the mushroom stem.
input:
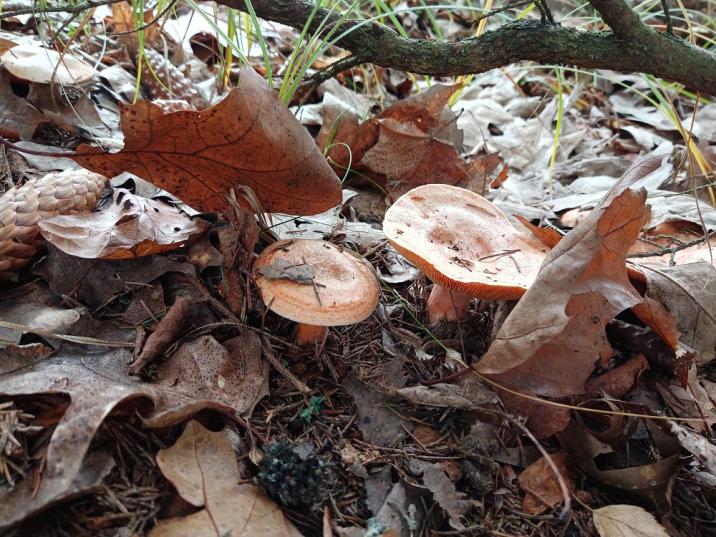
(310, 334)
(446, 304)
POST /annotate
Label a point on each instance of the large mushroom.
(465, 245)
(44, 66)
(316, 284)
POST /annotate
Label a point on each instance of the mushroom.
(316, 284)
(464, 244)
(44, 66)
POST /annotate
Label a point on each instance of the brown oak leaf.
(250, 138)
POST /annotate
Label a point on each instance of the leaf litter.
(618, 323)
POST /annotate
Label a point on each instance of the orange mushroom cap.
(463, 242)
(315, 282)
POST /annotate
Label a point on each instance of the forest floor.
(147, 385)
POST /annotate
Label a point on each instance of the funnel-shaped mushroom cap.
(463, 242)
(315, 282)
(44, 65)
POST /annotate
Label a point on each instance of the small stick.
(271, 357)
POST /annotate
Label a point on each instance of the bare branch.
(650, 52)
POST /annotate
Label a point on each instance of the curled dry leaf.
(627, 521)
(590, 449)
(541, 485)
(619, 381)
(549, 343)
(249, 138)
(202, 466)
(228, 379)
(125, 227)
(688, 293)
(413, 142)
(453, 502)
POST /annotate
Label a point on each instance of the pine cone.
(66, 192)
(165, 81)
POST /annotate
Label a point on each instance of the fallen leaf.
(25, 501)
(467, 394)
(166, 331)
(627, 521)
(549, 343)
(610, 457)
(541, 485)
(124, 227)
(689, 400)
(619, 381)
(96, 381)
(95, 282)
(250, 138)
(453, 502)
(35, 309)
(202, 466)
(413, 142)
(408, 157)
(376, 421)
(688, 292)
(699, 446)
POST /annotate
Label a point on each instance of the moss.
(294, 475)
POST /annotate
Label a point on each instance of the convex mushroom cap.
(316, 283)
(44, 65)
(463, 242)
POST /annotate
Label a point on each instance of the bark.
(631, 46)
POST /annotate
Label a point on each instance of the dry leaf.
(96, 381)
(550, 342)
(202, 466)
(688, 292)
(627, 521)
(125, 227)
(249, 138)
(413, 142)
(541, 485)
(408, 157)
(453, 502)
(619, 381)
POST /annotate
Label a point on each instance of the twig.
(332, 70)
(673, 249)
(65, 8)
(148, 24)
(667, 17)
(276, 363)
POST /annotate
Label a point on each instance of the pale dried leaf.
(126, 226)
(202, 466)
(627, 521)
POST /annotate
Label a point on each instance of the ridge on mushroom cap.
(336, 288)
(38, 64)
(463, 242)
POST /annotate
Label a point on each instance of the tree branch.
(633, 47)
(619, 17)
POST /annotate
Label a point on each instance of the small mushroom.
(316, 284)
(44, 66)
(465, 245)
